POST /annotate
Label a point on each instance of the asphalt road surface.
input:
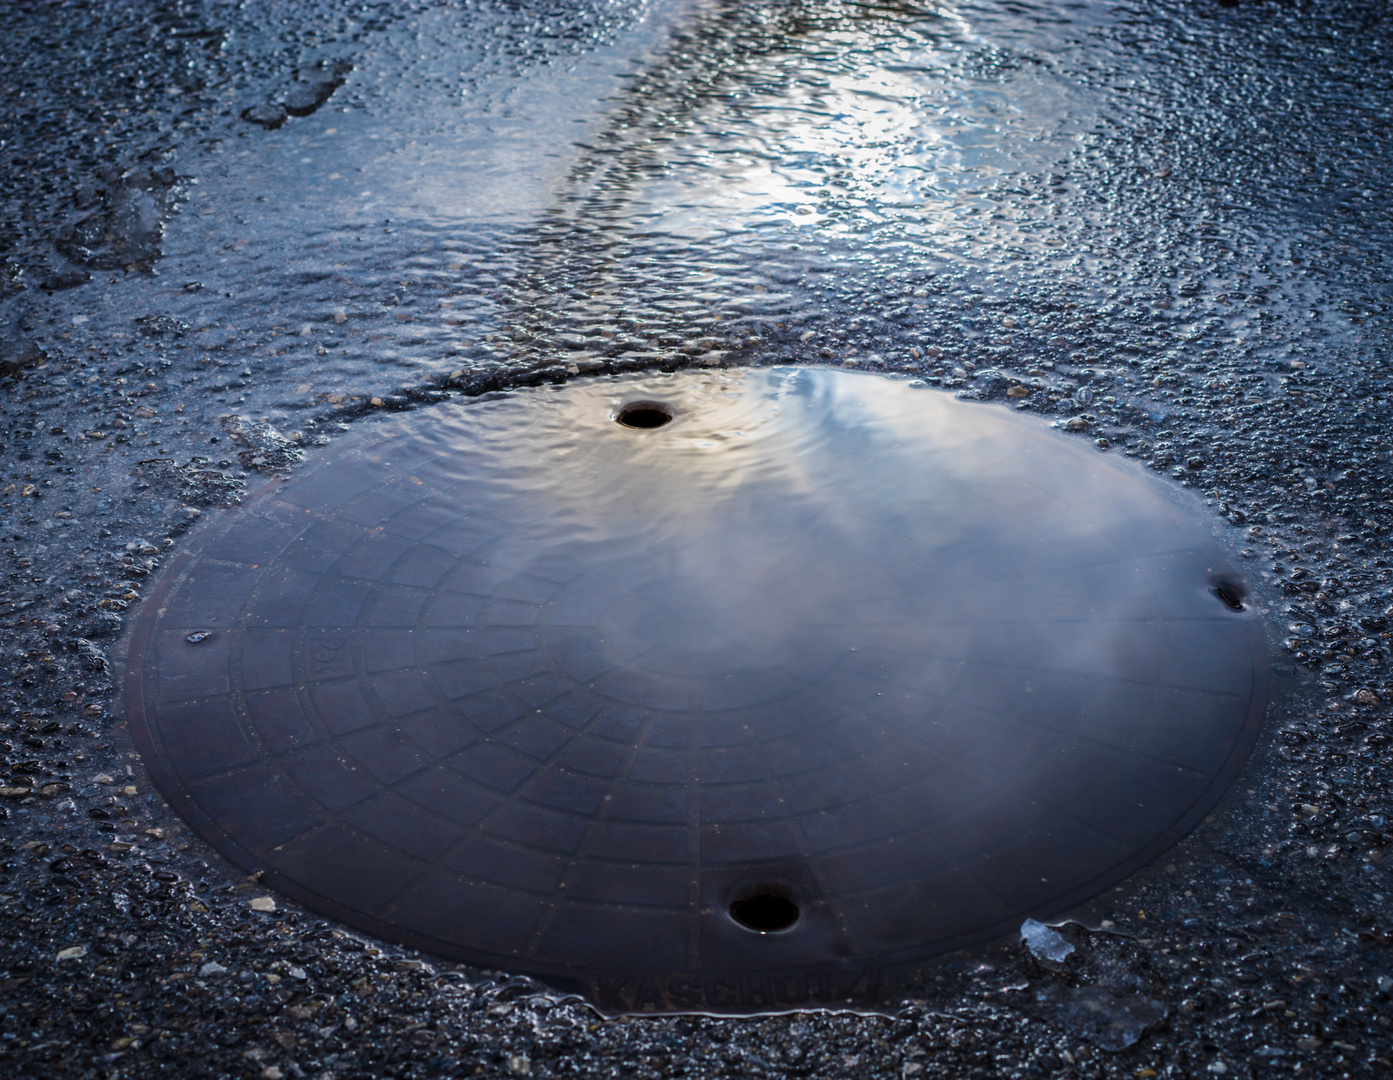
(230, 232)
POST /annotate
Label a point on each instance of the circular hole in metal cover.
(645, 414)
(1231, 593)
(498, 681)
(765, 911)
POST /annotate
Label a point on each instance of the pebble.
(1044, 942)
(268, 114)
(262, 903)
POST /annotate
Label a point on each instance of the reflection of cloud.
(860, 112)
(826, 461)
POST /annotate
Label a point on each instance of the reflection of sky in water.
(869, 462)
(447, 129)
(862, 121)
(701, 180)
(455, 210)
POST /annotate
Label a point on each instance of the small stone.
(72, 952)
(65, 279)
(263, 903)
(212, 967)
(102, 778)
(519, 1065)
(271, 1072)
(1218, 1068)
(1366, 697)
(297, 973)
(268, 114)
(198, 636)
(1077, 423)
(1044, 942)
(1018, 392)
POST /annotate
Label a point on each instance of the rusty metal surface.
(516, 684)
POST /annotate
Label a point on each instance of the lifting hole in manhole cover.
(765, 910)
(645, 414)
(1231, 593)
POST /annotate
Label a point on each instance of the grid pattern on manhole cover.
(519, 685)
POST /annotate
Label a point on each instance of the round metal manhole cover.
(805, 676)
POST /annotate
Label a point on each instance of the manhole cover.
(803, 677)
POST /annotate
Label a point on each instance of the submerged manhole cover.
(752, 704)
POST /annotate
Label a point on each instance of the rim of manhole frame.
(139, 638)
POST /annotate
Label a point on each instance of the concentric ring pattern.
(522, 686)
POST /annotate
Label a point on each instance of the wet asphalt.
(231, 232)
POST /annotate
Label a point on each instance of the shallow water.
(1162, 225)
